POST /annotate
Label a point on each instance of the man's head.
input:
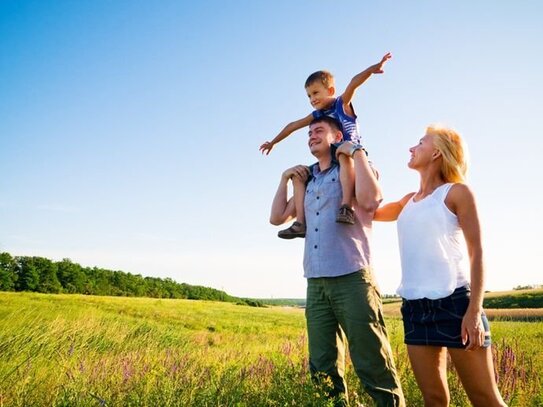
(323, 132)
(320, 89)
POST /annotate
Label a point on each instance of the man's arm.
(359, 79)
(287, 131)
(283, 208)
(367, 190)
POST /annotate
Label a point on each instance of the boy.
(321, 93)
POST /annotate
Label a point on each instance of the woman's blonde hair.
(448, 142)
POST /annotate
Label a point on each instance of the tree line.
(39, 274)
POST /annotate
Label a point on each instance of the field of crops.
(74, 350)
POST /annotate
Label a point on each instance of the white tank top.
(431, 244)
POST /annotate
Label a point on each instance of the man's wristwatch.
(355, 148)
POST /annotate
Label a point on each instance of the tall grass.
(60, 350)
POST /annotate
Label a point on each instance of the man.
(342, 297)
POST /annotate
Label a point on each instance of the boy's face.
(319, 95)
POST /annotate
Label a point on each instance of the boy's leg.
(297, 229)
(346, 178)
(357, 305)
(298, 192)
(325, 339)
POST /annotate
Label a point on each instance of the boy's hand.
(266, 147)
(378, 68)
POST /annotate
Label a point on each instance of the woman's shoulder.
(459, 190)
(458, 194)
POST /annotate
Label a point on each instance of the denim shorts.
(439, 322)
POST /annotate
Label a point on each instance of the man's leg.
(357, 306)
(325, 338)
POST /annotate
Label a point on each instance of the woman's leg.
(476, 371)
(429, 365)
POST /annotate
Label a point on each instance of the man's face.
(321, 137)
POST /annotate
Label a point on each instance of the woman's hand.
(473, 331)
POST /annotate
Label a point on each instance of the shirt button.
(317, 197)
(317, 214)
(316, 229)
(315, 246)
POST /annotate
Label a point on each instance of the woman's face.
(423, 153)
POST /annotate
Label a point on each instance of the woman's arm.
(390, 211)
(461, 202)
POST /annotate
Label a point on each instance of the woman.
(442, 302)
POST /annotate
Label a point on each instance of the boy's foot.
(345, 215)
(296, 230)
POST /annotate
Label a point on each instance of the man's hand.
(378, 68)
(300, 171)
(266, 147)
(344, 148)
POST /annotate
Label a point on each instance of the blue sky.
(129, 131)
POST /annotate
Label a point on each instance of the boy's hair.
(333, 123)
(448, 142)
(324, 77)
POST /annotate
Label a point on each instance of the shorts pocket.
(451, 308)
(407, 318)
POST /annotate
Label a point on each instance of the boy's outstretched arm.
(359, 79)
(283, 134)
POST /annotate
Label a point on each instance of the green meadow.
(76, 350)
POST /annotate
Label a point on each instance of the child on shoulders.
(321, 92)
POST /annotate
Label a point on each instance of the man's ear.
(339, 136)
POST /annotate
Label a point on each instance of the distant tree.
(47, 271)
(22, 273)
(8, 275)
(100, 281)
(71, 276)
(28, 276)
(524, 287)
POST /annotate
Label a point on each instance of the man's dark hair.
(333, 123)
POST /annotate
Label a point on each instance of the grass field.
(74, 350)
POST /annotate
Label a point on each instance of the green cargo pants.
(350, 306)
